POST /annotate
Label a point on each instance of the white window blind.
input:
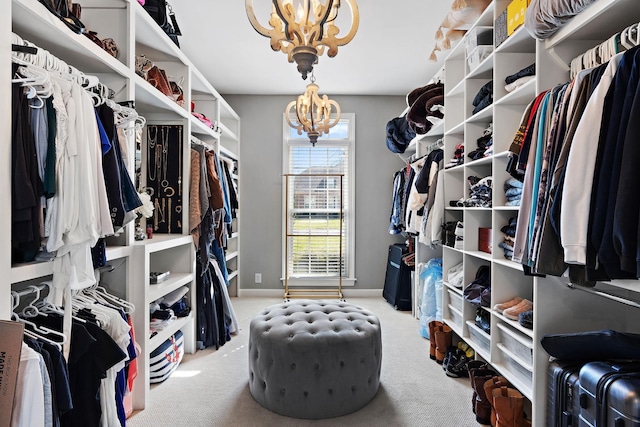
(318, 184)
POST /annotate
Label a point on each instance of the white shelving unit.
(513, 350)
(135, 33)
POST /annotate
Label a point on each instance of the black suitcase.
(610, 394)
(563, 389)
(397, 283)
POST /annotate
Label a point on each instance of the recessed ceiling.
(388, 56)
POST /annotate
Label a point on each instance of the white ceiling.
(388, 56)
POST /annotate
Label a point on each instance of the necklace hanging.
(151, 153)
(165, 155)
(180, 145)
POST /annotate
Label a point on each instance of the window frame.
(349, 212)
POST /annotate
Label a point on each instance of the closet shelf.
(117, 252)
(484, 69)
(31, 270)
(506, 208)
(457, 90)
(453, 288)
(599, 21)
(521, 96)
(200, 84)
(231, 255)
(522, 386)
(150, 100)
(175, 281)
(479, 348)
(166, 333)
(519, 42)
(479, 254)
(480, 162)
(33, 22)
(508, 263)
(153, 41)
(228, 133)
(200, 128)
(484, 115)
(160, 242)
(456, 130)
(233, 275)
(514, 324)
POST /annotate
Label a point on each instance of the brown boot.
(473, 366)
(509, 404)
(489, 385)
(482, 405)
(443, 341)
(432, 338)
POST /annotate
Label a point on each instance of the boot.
(489, 386)
(482, 405)
(474, 365)
(443, 340)
(509, 404)
(432, 338)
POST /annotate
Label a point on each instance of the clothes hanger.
(41, 331)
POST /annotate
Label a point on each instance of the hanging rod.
(603, 294)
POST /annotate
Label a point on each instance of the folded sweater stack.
(512, 192)
(509, 231)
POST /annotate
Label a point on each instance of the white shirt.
(576, 194)
(28, 402)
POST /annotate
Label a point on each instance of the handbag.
(157, 9)
(63, 10)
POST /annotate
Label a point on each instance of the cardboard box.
(515, 15)
(11, 334)
(500, 29)
(485, 240)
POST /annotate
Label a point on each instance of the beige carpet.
(210, 388)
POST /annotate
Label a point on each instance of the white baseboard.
(277, 293)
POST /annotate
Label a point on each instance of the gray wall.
(261, 186)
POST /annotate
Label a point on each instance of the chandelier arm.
(324, 18)
(332, 42)
(254, 21)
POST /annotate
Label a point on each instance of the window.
(313, 203)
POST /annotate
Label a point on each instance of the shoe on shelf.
(514, 312)
(526, 319)
(508, 304)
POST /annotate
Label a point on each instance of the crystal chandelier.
(304, 28)
(313, 113)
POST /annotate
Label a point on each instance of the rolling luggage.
(397, 283)
(610, 394)
(563, 388)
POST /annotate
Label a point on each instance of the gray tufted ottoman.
(314, 359)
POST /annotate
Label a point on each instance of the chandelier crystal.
(304, 28)
(313, 113)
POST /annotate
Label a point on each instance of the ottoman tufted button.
(297, 384)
